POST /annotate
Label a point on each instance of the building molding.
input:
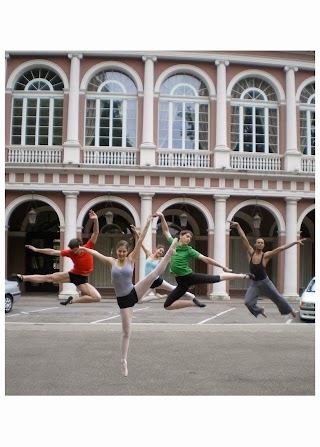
(189, 69)
(260, 74)
(33, 64)
(33, 197)
(262, 204)
(108, 65)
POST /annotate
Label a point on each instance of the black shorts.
(78, 279)
(127, 301)
(156, 283)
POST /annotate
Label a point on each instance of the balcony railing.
(255, 162)
(308, 163)
(38, 154)
(166, 158)
(183, 158)
(98, 156)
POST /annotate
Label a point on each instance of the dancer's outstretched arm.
(95, 232)
(211, 261)
(269, 254)
(136, 236)
(44, 251)
(165, 227)
(243, 237)
(105, 259)
(135, 252)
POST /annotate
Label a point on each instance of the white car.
(12, 295)
(308, 302)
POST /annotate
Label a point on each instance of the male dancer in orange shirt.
(78, 275)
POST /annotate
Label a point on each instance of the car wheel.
(8, 301)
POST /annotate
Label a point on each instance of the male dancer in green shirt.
(185, 277)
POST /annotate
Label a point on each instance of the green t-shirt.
(179, 264)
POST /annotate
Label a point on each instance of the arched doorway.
(43, 233)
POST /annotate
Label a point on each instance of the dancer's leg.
(89, 294)
(166, 286)
(59, 277)
(228, 276)
(147, 297)
(251, 298)
(269, 290)
(144, 284)
(184, 282)
(126, 318)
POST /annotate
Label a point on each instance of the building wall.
(190, 186)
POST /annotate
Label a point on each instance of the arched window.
(183, 113)
(254, 116)
(111, 110)
(37, 108)
(308, 120)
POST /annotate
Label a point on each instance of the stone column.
(291, 254)
(221, 150)
(220, 254)
(70, 231)
(146, 210)
(292, 157)
(147, 147)
(71, 148)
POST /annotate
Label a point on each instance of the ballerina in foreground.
(128, 294)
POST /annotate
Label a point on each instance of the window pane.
(30, 140)
(117, 142)
(43, 141)
(235, 128)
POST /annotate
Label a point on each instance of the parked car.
(12, 295)
(308, 301)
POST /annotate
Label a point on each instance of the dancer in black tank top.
(262, 285)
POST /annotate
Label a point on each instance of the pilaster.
(291, 254)
(70, 232)
(146, 210)
(71, 148)
(148, 147)
(220, 255)
(221, 150)
(292, 157)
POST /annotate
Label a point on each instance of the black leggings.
(184, 282)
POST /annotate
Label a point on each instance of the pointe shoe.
(197, 303)
(263, 312)
(249, 276)
(172, 247)
(124, 368)
(67, 301)
(158, 295)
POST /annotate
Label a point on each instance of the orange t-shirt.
(83, 262)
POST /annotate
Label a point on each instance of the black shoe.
(16, 277)
(67, 301)
(250, 276)
(197, 303)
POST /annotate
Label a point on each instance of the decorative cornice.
(249, 57)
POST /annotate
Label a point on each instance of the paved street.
(221, 350)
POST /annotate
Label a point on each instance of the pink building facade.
(204, 137)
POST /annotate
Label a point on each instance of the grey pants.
(265, 287)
